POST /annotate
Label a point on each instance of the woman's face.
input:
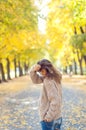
(43, 72)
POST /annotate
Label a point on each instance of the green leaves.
(77, 40)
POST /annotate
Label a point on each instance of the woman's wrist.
(36, 67)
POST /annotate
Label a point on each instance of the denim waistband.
(59, 120)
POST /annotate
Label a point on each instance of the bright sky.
(43, 12)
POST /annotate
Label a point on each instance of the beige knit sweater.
(50, 100)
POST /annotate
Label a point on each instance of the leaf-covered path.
(19, 104)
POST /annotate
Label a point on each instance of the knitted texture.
(50, 101)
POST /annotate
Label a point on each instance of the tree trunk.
(78, 55)
(0, 76)
(85, 60)
(15, 66)
(70, 68)
(81, 29)
(80, 63)
(25, 68)
(85, 28)
(65, 70)
(2, 73)
(75, 32)
(0, 80)
(75, 67)
(8, 69)
(20, 69)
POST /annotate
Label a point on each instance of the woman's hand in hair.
(36, 67)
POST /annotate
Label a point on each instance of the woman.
(51, 95)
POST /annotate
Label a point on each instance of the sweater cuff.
(49, 118)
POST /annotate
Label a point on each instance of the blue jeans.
(53, 125)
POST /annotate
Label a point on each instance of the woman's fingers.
(37, 67)
(47, 120)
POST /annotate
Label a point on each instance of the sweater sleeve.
(35, 77)
(53, 97)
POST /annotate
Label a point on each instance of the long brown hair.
(52, 72)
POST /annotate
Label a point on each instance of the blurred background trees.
(66, 29)
(22, 44)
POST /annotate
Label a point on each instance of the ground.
(19, 104)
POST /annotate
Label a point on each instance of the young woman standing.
(51, 96)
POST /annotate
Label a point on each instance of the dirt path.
(14, 86)
(19, 104)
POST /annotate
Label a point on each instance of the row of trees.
(67, 34)
(21, 43)
(78, 40)
(19, 37)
